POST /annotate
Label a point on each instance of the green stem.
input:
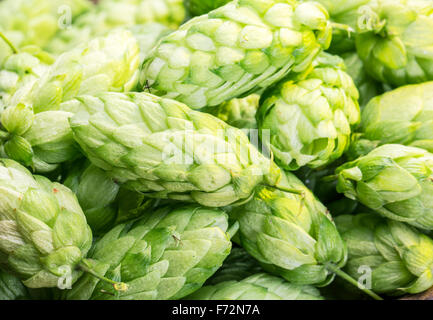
(331, 267)
(343, 27)
(118, 286)
(10, 44)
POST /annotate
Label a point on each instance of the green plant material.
(368, 87)
(239, 113)
(165, 150)
(400, 258)
(44, 234)
(309, 121)
(103, 201)
(236, 50)
(21, 68)
(394, 40)
(393, 180)
(11, 288)
(36, 128)
(200, 7)
(260, 286)
(344, 12)
(112, 14)
(291, 234)
(165, 255)
(401, 116)
(238, 266)
(35, 22)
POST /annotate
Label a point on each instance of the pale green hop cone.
(103, 201)
(112, 14)
(163, 149)
(21, 68)
(291, 234)
(393, 180)
(260, 286)
(395, 41)
(310, 120)
(35, 126)
(35, 22)
(402, 116)
(43, 231)
(237, 49)
(390, 256)
(165, 255)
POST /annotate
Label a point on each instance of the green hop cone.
(309, 121)
(163, 149)
(368, 87)
(237, 49)
(401, 116)
(238, 266)
(112, 14)
(393, 180)
(239, 113)
(398, 258)
(165, 255)
(36, 128)
(44, 234)
(394, 40)
(35, 22)
(260, 286)
(103, 201)
(21, 68)
(200, 7)
(291, 234)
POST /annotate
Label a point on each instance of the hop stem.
(118, 286)
(352, 281)
(9, 43)
(343, 27)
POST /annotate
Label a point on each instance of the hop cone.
(399, 257)
(35, 22)
(103, 201)
(165, 255)
(368, 87)
(37, 132)
(43, 231)
(393, 180)
(163, 149)
(238, 266)
(292, 235)
(400, 116)
(239, 113)
(21, 68)
(310, 120)
(112, 14)
(236, 49)
(395, 40)
(260, 286)
(200, 7)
